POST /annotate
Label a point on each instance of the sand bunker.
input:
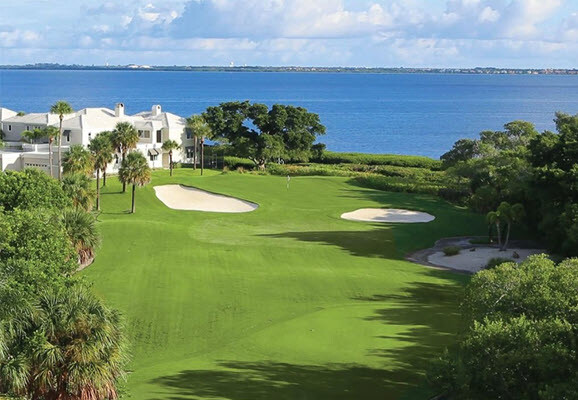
(473, 261)
(180, 197)
(388, 215)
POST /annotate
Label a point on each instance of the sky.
(357, 33)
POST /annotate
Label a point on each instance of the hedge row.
(330, 157)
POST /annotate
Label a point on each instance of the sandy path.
(180, 197)
(388, 215)
(474, 261)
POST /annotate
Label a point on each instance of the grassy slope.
(288, 302)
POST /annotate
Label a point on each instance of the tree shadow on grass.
(428, 314)
(273, 380)
(408, 200)
(372, 243)
(431, 313)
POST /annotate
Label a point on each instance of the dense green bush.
(31, 189)
(494, 262)
(519, 335)
(451, 250)
(330, 157)
(236, 162)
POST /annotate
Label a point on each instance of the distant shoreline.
(245, 69)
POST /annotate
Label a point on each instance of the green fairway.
(286, 302)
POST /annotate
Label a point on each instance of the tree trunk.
(499, 234)
(59, 149)
(171, 162)
(194, 152)
(104, 177)
(132, 207)
(124, 183)
(490, 229)
(505, 246)
(202, 155)
(50, 161)
(98, 189)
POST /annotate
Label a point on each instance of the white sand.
(473, 261)
(387, 215)
(180, 197)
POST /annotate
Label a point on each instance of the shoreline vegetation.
(310, 69)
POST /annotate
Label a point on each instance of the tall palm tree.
(495, 218)
(102, 154)
(202, 130)
(78, 160)
(50, 132)
(124, 138)
(80, 227)
(135, 171)
(70, 346)
(170, 145)
(510, 214)
(78, 187)
(61, 108)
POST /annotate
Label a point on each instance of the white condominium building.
(154, 127)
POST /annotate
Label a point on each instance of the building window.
(144, 134)
(9, 127)
(153, 157)
(66, 133)
(27, 127)
(89, 136)
(159, 136)
(189, 133)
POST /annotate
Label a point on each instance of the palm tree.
(494, 218)
(78, 187)
(34, 135)
(170, 145)
(134, 170)
(67, 345)
(50, 132)
(510, 214)
(78, 160)
(124, 137)
(60, 108)
(202, 130)
(80, 228)
(102, 154)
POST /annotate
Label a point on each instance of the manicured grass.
(287, 302)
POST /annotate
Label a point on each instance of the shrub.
(451, 251)
(330, 157)
(494, 262)
(518, 340)
(31, 189)
(236, 162)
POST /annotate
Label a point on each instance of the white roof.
(37, 118)
(97, 119)
(6, 113)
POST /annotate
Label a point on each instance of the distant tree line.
(522, 166)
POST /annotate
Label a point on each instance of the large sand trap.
(180, 197)
(387, 215)
(473, 261)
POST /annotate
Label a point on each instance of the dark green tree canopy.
(262, 134)
(31, 189)
(519, 339)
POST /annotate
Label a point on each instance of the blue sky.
(413, 33)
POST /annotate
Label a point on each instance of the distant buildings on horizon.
(245, 68)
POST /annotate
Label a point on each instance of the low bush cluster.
(451, 250)
(330, 157)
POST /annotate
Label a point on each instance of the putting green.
(287, 302)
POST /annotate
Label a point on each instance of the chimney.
(119, 110)
(156, 111)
